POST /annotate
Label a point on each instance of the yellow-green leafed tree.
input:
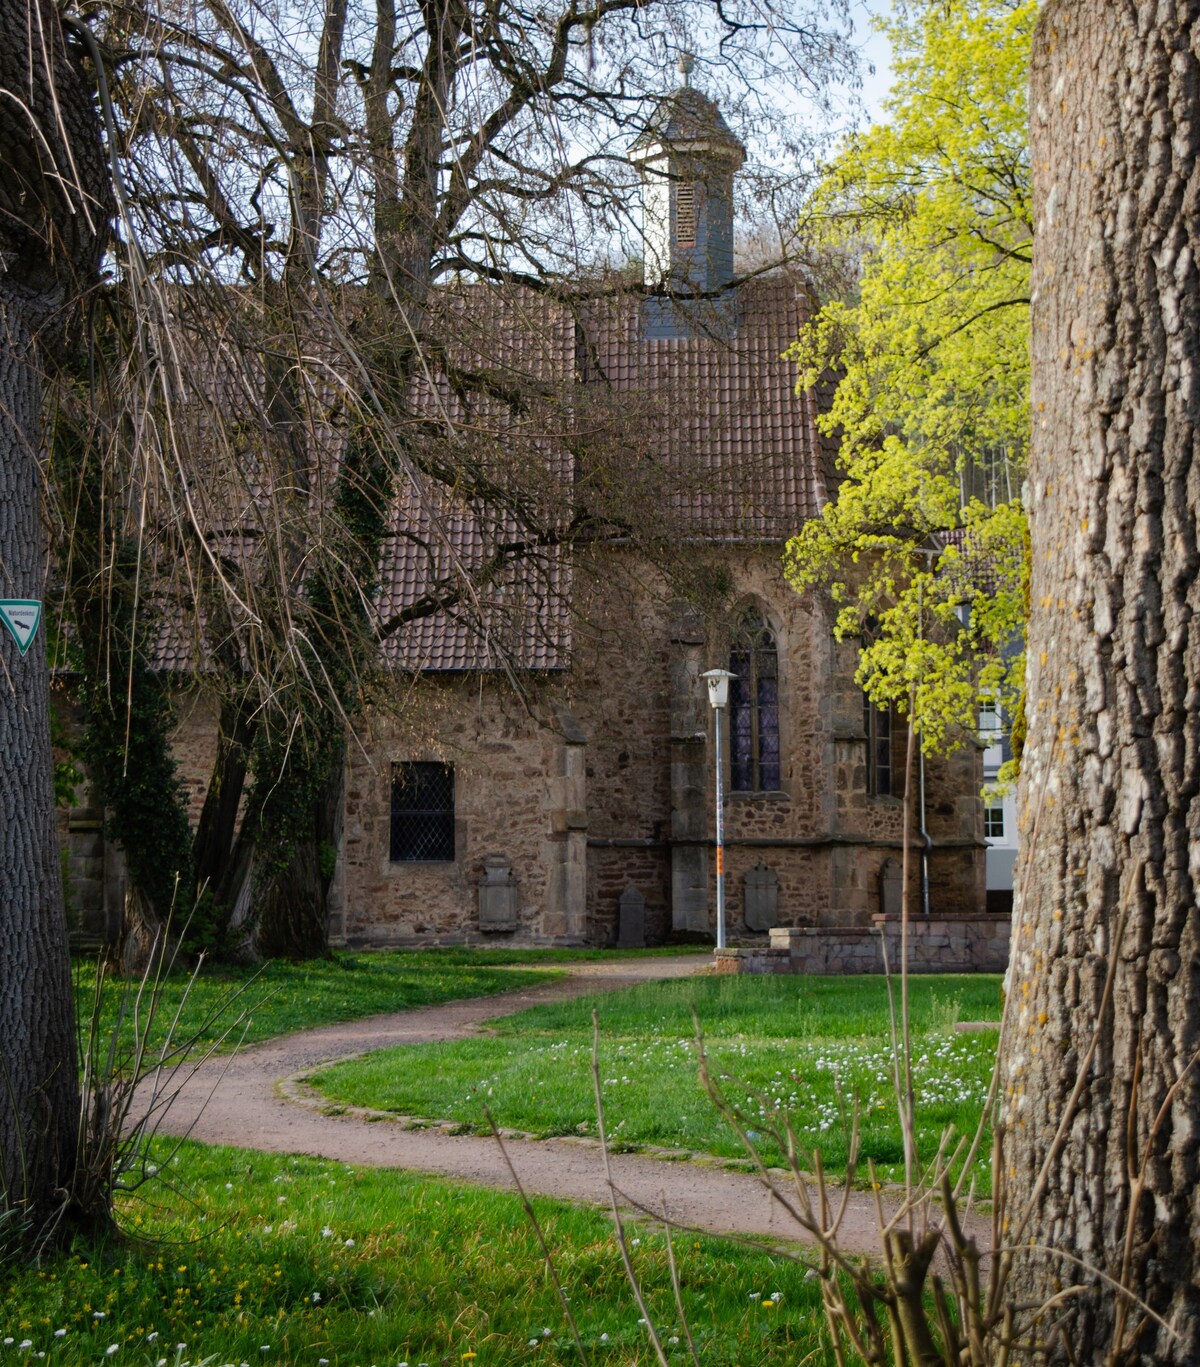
(931, 359)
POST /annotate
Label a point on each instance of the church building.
(548, 773)
(537, 814)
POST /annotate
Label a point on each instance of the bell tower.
(687, 157)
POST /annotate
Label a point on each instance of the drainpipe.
(925, 837)
(924, 834)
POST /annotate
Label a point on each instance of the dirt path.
(252, 1100)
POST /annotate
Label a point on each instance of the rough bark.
(1102, 1090)
(54, 209)
(39, 1097)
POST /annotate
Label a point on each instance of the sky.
(876, 51)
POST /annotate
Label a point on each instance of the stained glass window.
(754, 761)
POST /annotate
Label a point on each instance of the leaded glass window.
(878, 724)
(754, 710)
(422, 812)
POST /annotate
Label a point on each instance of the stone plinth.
(936, 944)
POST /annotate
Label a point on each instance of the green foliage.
(67, 773)
(932, 403)
(127, 708)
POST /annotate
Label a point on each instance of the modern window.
(422, 812)
(993, 820)
(754, 709)
(877, 721)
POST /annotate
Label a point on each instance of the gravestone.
(497, 895)
(631, 920)
(891, 887)
(760, 888)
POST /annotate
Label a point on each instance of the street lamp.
(718, 696)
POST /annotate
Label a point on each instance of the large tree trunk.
(1101, 1080)
(55, 203)
(39, 1094)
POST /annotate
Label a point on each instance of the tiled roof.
(682, 118)
(718, 407)
(731, 414)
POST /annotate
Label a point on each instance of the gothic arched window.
(754, 709)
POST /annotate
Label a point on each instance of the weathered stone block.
(497, 895)
(631, 920)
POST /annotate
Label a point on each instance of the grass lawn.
(244, 1258)
(280, 997)
(807, 1047)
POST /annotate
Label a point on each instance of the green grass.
(281, 997)
(800, 1047)
(246, 1258)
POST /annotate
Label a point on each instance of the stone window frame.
(422, 818)
(758, 638)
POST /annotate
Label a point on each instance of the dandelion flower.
(111, 1349)
(25, 1343)
(349, 1243)
(603, 1338)
(60, 1333)
(545, 1333)
(8, 1340)
(533, 1343)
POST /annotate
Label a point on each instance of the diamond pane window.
(422, 812)
(754, 710)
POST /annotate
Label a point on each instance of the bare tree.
(1102, 1089)
(315, 197)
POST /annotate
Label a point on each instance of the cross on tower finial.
(684, 66)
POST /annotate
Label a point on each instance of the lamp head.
(718, 686)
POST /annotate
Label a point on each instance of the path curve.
(250, 1101)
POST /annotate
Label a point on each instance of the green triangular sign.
(21, 616)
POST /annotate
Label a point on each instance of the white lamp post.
(718, 697)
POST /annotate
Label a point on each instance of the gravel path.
(254, 1100)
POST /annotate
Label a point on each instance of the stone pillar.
(565, 850)
(689, 752)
